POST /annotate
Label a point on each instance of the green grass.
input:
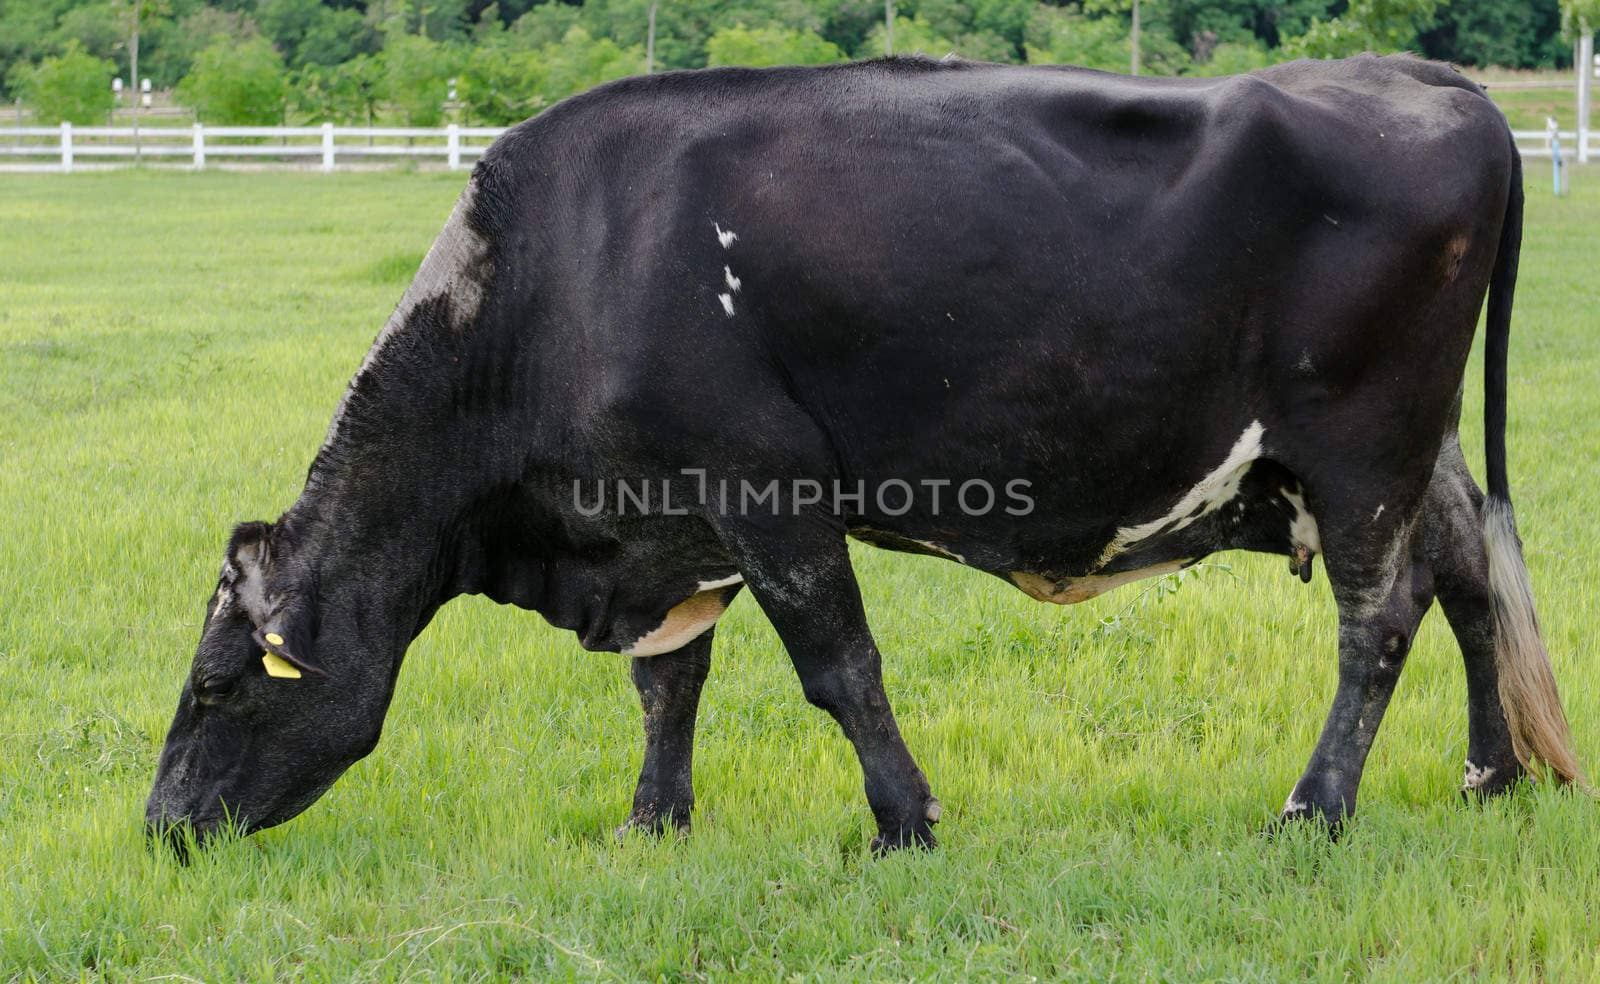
(171, 347)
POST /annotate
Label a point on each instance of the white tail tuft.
(1527, 685)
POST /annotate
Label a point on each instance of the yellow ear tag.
(274, 638)
(277, 666)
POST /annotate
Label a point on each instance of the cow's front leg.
(669, 693)
(1378, 616)
(802, 578)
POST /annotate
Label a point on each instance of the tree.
(417, 73)
(912, 36)
(349, 92)
(181, 43)
(73, 87)
(1233, 58)
(236, 84)
(1510, 33)
(771, 45)
(1366, 25)
(501, 83)
(581, 62)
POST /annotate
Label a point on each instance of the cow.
(684, 334)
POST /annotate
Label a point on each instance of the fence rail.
(1542, 143)
(60, 148)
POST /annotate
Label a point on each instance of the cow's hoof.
(1482, 782)
(1329, 822)
(916, 833)
(655, 822)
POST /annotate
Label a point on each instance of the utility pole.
(650, 41)
(888, 27)
(138, 94)
(1135, 37)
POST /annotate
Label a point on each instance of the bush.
(761, 46)
(236, 84)
(73, 87)
(913, 36)
(417, 74)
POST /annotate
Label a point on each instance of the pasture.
(173, 346)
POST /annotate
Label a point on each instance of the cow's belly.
(1245, 502)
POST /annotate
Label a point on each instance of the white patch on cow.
(721, 583)
(1476, 776)
(1292, 805)
(1071, 590)
(941, 551)
(685, 622)
(732, 281)
(726, 238)
(1303, 527)
(224, 599)
(1304, 365)
(727, 303)
(1208, 495)
(1378, 513)
(444, 271)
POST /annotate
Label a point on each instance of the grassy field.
(171, 347)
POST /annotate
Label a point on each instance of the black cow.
(685, 333)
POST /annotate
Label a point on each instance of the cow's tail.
(1527, 685)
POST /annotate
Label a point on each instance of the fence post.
(199, 147)
(66, 146)
(452, 142)
(1585, 75)
(327, 146)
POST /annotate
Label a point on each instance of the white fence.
(1540, 143)
(67, 147)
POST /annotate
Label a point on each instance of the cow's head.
(262, 729)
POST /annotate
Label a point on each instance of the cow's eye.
(215, 688)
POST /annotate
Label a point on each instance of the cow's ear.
(277, 606)
(247, 568)
(285, 641)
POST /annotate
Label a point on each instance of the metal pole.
(650, 40)
(138, 94)
(888, 27)
(1135, 37)
(1585, 89)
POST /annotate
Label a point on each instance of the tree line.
(494, 62)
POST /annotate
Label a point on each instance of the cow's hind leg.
(1382, 585)
(1452, 538)
(799, 571)
(669, 693)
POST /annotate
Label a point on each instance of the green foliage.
(581, 62)
(770, 45)
(182, 41)
(74, 87)
(1060, 36)
(100, 29)
(1509, 33)
(913, 36)
(1366, 25)
(349, 92)
(310, 33)
(1233, 58)
(236, 84)
(500, 83)
(417, 71)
